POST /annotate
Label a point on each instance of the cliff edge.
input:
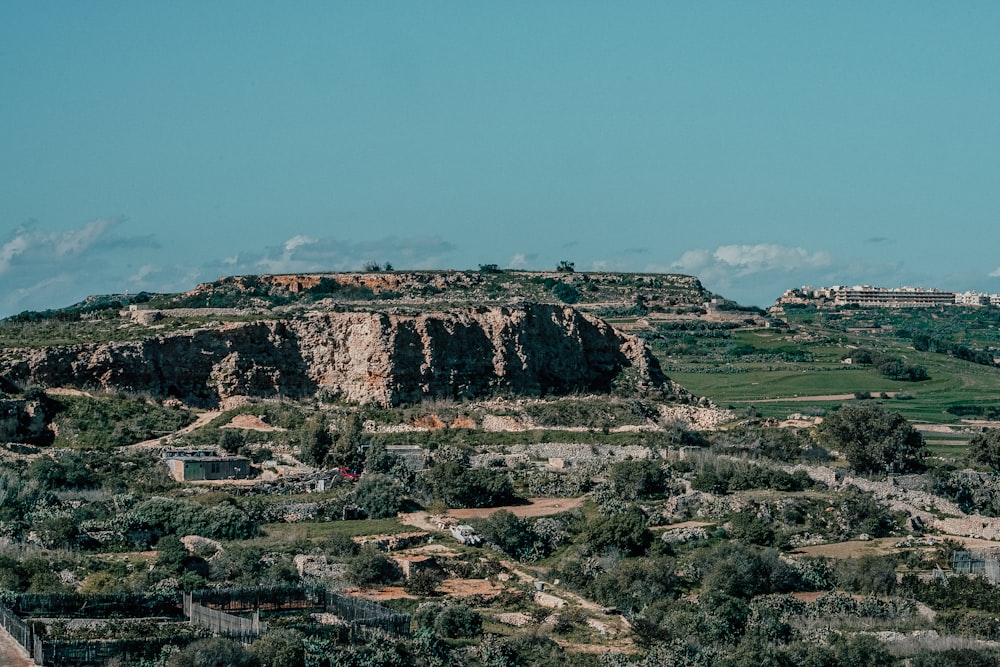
(365, 357)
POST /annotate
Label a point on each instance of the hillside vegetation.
(819, 497)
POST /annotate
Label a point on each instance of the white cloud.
(750, 259)
(301, 254)
(518, 261)
(75, 241)
(995, 273)
(12, 248)
(744, 272)
(51, 269)
(745, 260)
(44, 269)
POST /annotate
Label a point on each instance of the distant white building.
(972, 299)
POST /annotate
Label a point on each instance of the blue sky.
(758, 145)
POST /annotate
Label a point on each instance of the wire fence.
(18, 629)
(79, 605)
(967, 562)
(358, 612)
(221, 623)
(210, 609)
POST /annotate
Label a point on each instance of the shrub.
(378, 496)
(874, 440)
(625, 532)
(372, 567)
(984, 448)
(213, 652)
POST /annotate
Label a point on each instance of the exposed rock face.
(365, 357)
(23, 420)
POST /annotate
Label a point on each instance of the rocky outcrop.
(24, 420)
(364, 357)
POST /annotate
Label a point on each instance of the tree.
(379, 496)
(315, 442)
(626, 532)
(874, 440)
(984, 448)
(566, 293)
(510, 533)
(566, 267)
(371, 566)
(639, 479)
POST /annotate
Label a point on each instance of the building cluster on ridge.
(899, 297)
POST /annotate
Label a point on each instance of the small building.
(186, 468)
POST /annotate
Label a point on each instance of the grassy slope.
(953, 381)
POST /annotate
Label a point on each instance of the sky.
(757, 145)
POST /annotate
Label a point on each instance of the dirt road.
(13, 654)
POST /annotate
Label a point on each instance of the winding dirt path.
(202, 419)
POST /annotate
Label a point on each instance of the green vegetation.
(874, 440)
(113, 420)
(702, 541)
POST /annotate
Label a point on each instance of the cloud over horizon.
(305, 254)
(42, 269)
(745, 260)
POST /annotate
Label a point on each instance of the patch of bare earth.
(251, 423)
(202, 420)
(13, 654)
(467, 587)
(535, 507)
(822, 397)
(851, 548)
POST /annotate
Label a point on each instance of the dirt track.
(535, 507)
(13, 654)
(806, 399)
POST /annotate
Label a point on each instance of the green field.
(733, 381)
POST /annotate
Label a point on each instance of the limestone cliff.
(365, 357)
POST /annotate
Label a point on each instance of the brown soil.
(535, 507)
(825, 397)
(251, 423)
(430, 422)
(851, 549)
(467, 587)
(13, 654)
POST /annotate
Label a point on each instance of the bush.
(379, 496)
(449, 620)
(458, 486)
(566, 293)
(984, 448)
(213, 652)
(371, 567)
(625, 532)
(280, 648)
(874, 440)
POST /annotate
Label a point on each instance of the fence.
(77, 653)
(221, 623)
(269, 598)
(966, 562)
(17, 628)
(357, 612)
(78, 605)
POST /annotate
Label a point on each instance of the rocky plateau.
(382, 358)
